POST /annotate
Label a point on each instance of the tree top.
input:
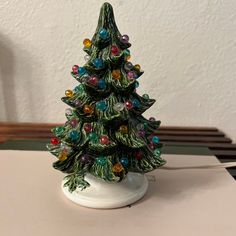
(106, 18)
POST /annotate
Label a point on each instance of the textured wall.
(186, 48)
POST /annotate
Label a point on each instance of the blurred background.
(186, 48)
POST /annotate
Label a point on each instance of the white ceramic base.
(102, 194)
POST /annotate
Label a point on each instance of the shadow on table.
(171, 186)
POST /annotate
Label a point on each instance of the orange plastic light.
(87, 43)
(116, 74)
(128, 58)
(88, 109)
(117, 168)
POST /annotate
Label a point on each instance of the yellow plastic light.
(69, 93)
(87, 43)
(137, 67)
(63, 155)
(123, 129)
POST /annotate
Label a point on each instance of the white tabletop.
(183, 202)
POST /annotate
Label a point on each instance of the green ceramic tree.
(105, 133)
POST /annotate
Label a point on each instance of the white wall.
(187, 49)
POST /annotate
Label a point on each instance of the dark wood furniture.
(212, 138)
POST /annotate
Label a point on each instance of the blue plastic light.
(124, 161)
(127, 52)
(74, 135)
(103, 33)
(81, 70)
(98, 63)
(101, 105)
(155, 139)
(101, 84)
(136, 84)
(136, 103)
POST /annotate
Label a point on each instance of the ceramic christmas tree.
(106, 144)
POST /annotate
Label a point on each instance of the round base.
(102, 194)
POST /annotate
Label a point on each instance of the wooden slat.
(180, 134)
(222, 146)
(25, 131)
(27, 124)
(189, 133)
(31, 126)
(227, 159)
(26, 127)
(232, 171)
(25, 138)
(173, 134)
(185, 128)
(225, 152)
(163, 138)
(204, 136)
(195, 139)
(28, 136)
(2, 139)
(211, 146)
(159, 133)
